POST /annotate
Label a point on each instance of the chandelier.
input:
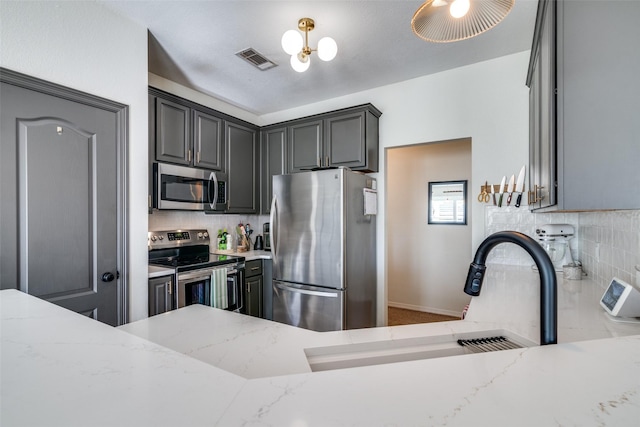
(292, 43)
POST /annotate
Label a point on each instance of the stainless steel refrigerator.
(323, 245)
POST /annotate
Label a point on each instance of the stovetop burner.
(185, 250)
(200, 261)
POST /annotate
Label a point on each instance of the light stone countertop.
(250, 255)
(157, 271)
(76, 370)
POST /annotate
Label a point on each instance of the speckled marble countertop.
(248, 371)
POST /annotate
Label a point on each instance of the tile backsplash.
(606, 243)
(171, 220)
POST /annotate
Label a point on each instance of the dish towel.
(219, 297)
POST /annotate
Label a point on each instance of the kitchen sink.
(406, 349)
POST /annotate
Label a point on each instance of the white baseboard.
(424, 309)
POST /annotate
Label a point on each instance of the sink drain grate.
(483, 345)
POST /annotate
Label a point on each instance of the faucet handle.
(474, 279)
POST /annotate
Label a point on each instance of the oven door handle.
(240, 290)
(193, 277)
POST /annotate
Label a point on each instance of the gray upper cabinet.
(172, 137)
(351, 140)
(208, 142)
(186, 134)
(542, 101)
(274, 162)
(346, 137)
(596, 103)
(243, 183)
(305, 146)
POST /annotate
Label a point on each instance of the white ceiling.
(194, 43)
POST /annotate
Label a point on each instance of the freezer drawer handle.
(303, 291)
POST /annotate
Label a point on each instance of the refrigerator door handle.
(273, 218)
(307, 292)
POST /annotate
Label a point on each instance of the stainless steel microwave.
(184, 188)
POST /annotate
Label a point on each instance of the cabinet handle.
(533, 196)
(198, 157)
(326, 161)
(255, 268)
(169, 287)
(188, 155)
(319, 161)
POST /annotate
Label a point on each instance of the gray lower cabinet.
(161, 295)
(243, 178)
(274, 162)
(593, 105)
(253, 288)
(346, 137)
(185, 133)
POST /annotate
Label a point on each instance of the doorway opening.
(426, 262)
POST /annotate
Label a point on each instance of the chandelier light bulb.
(292, 42)
(327, 49)
(459, 8)
(300, 62)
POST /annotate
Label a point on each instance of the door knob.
(108, 277)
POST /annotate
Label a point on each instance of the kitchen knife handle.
(509, 199)
(518, 200)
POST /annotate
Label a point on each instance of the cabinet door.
(599, 104)
(547, 179)
(208, 144)
(542, 128)
(274, 162)
(254, 296)
(345, 138)
(305, 146)
(160, 295)
(172, 132)
(534, 135)
(242, 168)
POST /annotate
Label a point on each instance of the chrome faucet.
(548, 285)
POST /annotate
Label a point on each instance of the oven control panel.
(177, 238)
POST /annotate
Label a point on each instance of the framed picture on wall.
(447, 202)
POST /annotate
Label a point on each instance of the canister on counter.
(572, 271)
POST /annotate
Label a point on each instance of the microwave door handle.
(212, 202)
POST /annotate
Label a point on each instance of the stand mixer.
(554, 238)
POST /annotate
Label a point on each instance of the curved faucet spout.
(548, 284)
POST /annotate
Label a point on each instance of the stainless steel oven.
(200, 277)
(195, 287)
(184, 188)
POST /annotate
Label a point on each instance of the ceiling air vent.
(256, 59)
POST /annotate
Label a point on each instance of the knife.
(520, 186)
(511, 188)
(501, 192)
(493, 195)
